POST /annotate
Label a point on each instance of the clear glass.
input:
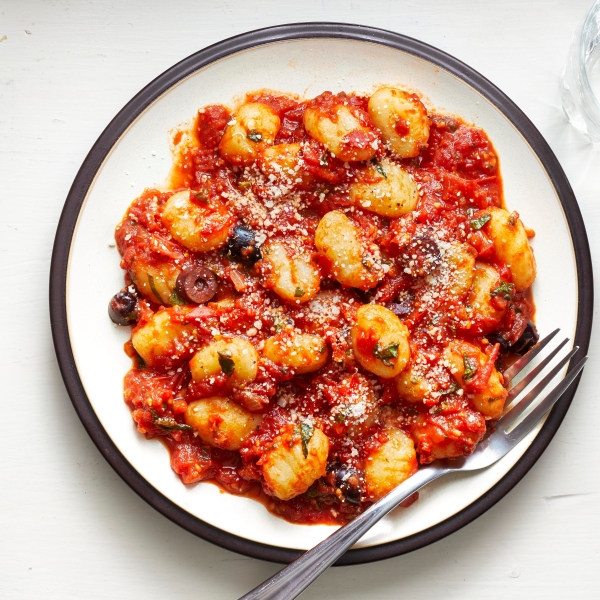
(580, 82)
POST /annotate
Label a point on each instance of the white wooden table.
(69, 527)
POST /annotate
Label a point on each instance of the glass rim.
(585, 27)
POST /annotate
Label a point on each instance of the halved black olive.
(123, 307)
(347, 480)
(196, 284)
(496, 338)
(242, 245)
(527, 341)
(421, 255)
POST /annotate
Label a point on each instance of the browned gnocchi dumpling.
(402, 120)
(380, 341)
(412, 385)
(385, 189)
(340, 129)
(481, 314)
(164, 340)
(196, 224)
(283, 162)
(512, 246)
(354, 262)
(253, 125)
(459, 269)
(464, 361)
(291, 271)
(303, 352)
(155, 280)
(389, 465)
(220, 422)
(295, 460)
(236, 358)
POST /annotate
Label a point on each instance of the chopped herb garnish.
(244, 184)
(312, 491)
(453, 388)
(306, 431)
(506, 290)
(480, 221)
(201, 196)
(324, 159)
(384, 354)
(341, 416)
(255, 136)
(169, 423)
(299, 292)
(141, 362)
(153, 288)
(175, 299)
(494, 399)
(226, 362)
(322, 349)
(470, 367)
(378, 167)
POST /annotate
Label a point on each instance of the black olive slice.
(421, 255)
(123, 307)
(196, 284)
(527, 341)
(347, 480)
(242, 245)
(496, 338)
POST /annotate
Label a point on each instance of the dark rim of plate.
(95, 158)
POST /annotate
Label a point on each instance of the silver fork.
(297, 576)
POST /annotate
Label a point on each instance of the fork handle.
(298, 575)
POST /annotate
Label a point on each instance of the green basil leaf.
(506, 290)
(175, 299)
(470, 367)
(378, 167)
(255, 136)
(306, 431)
(386, 353)
(454, 387)
(226, 362)
(299, 292)
(153, 288)
(479, 222)
(169, 423)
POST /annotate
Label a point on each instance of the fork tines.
(523, 404)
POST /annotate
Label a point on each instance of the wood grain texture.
(71, 529)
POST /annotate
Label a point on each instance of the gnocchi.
(380, 341)
(292, 273)
(512, 246)
(164, 340)
(303, 352)
(340, 129)
(482, 315)
(392, 463)
(220, 422)
(198, 225)
(235, 358)
(354, 262)
(465, 360)
(402, 120)
(296, 459)
(386, 189)
(253, 126)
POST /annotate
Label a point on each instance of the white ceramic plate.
(133, 153)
